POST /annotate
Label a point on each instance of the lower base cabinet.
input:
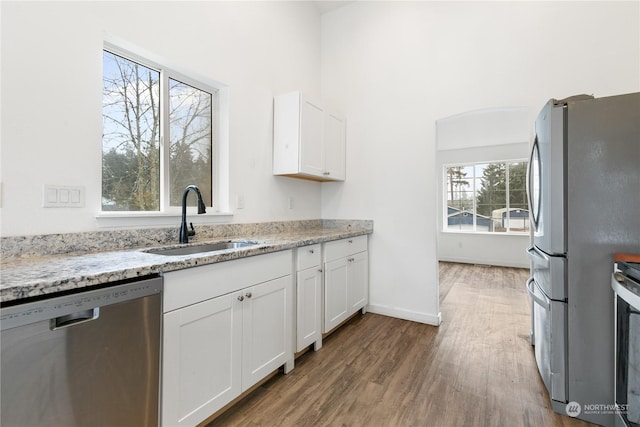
(229, 325)
(308, 297)
(346, 280)
(201, 360)
(216, 349)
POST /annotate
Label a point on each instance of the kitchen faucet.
(184, 232)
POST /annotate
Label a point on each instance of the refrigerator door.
(547, 181)
(551, 273)
(550, 319)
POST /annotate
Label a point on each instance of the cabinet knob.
(240, 298)
(351, 259)
(311, 251)
(326, 173)
(350, 241)
(319, 270)
(248, 294)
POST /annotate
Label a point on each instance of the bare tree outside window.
(130, 136)
(190, 115)
(131, 142)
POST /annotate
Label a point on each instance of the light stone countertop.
(38, 276)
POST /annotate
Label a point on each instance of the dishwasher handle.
(540, 301)
(74, 318)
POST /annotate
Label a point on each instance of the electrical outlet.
(240, 202)
(63, 196)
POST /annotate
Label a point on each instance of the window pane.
(518, 212)
(191, 147)
(130, 142)
(491, 197)
(459, 198)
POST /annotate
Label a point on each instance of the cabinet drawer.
(308, 256)
(342, 248)
(192, 285)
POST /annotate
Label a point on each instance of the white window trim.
(220, 212)
(445, 206)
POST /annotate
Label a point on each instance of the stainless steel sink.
(202, 248)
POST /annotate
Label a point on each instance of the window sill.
(486, 233)
(158, 219)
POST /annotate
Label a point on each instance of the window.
(486, 197)
(158, 135)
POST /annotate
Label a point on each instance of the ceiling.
(325, 6)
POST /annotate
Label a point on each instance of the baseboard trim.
(414, 316)
(492, 262)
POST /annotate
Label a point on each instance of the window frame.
(474, 179)
(219, 134)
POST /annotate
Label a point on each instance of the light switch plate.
(63, 196)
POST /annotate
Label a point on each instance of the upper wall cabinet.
(309, 142)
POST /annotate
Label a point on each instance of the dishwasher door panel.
(101, 372)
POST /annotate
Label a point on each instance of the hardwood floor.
(476, 369)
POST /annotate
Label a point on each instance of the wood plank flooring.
(476, 369)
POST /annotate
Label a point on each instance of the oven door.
(550, 321)
(627, 379)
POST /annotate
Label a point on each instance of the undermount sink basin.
(201, 248)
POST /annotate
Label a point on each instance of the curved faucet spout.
(184, 232)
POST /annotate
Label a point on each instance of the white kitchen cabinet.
(335, 146)
(346, 279)
(202, 350)
(308, 142)
(267, 311)
(308, 297)
(226, 326)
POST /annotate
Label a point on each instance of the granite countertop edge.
(27, 279)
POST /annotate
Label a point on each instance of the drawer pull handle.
(350, 241)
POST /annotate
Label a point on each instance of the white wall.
(52, 94)
(394, 68)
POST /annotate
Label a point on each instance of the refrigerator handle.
(537, 258)
(540, 301)
(534, 208)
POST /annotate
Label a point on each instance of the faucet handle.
(191, 232)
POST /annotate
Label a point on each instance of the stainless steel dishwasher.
(86, 359)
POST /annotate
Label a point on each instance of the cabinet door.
(309, 303)
(335, 147)
(201, 369)
(336, 308)
(311, 149)
(358, 281)
(266, 329)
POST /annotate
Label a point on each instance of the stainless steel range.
(626, 285)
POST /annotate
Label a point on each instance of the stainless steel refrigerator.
(584, 196)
